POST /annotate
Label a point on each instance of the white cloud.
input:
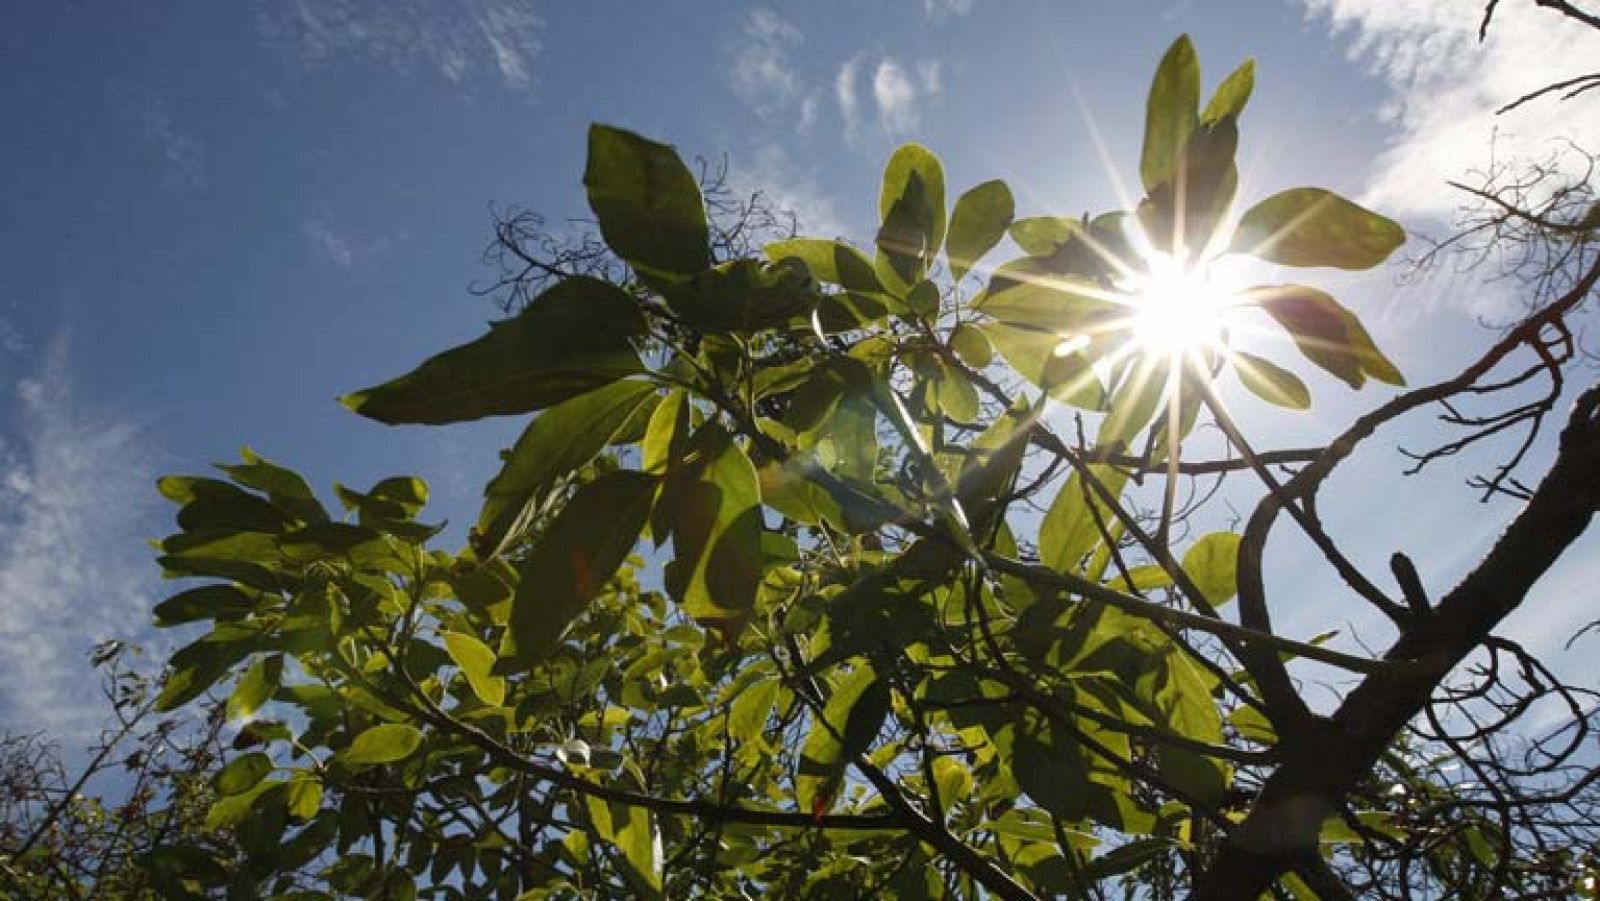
(456, 39)
(344, 249)
(1445, 87)
(896, 96)
(773, 169)
(76, 491)
(938, 9)
(763, 73)
(844, 86)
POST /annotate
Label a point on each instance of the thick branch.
(1285, 820)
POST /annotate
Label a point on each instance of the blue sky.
(218, 217)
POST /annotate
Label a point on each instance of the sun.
(1175, 310)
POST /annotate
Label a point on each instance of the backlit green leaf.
(970, 344)
(1232, 94)
(1271, 382)
(575, 557)
(1314, 227)
(831, 262)
(850, 721)
(1212, 563)
(640, 841)
(1037, 356)
(912, 210)
(1171, 112)
(1073, 525)
(744, 296)
(713, 509)
(978, 222)
(255, 687)
(476, 661)
(303, 796)
(205, 602)
(385, 743)
(242, 773)
(648, 204)
(571, 339)
(1326, 333)
(747, 715)
(555, 444)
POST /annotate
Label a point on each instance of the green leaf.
(1183, 212)
(850, 721)
(1043, 236)
(831, 262)
(747, 715)
(648, 204)
(385, 743)
(1271, 382)
(303, 796)
(557, 443)
(255, 687)
(206, 602)
(1135, 403)
(1326, 333)
(909, 160)
(571, 339)
(575, 557)
(913, 214)
(744, 296)
(1021, 293)
(195, 668)
(953, 779)
(1144, 578)
(476, 661)
(639, 840)
(979, 221)
(1184, 699)
(713, 510)
(231, 810)
(286, 488)
(215, 504)
(956, 396)
(1050, 768)
(1232, 94)
(970, 344)
(1171, 112)
(1035, 355)
(667, 435)
(1071, 528)
(242, 774)
(1212, 563)
(1314, 227)
(1373, 362)
(1125, 858)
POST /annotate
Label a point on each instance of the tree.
(60, 836)
(795, 583)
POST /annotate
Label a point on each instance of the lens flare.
(1176, 310)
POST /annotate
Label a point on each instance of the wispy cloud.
(455, 39)
(939, 9)
(844, 85)
(343, 248)
(898, 94)
(75, 492)
(763, 72)
(772, 169)
(149, 115)
(1445, 87)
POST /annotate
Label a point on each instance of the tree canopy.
(834, 570)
